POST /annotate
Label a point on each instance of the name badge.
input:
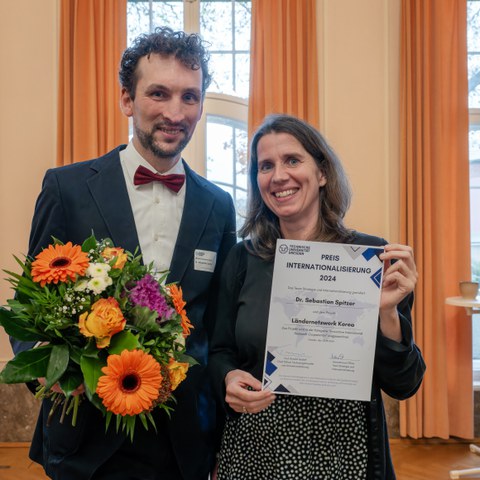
(205, 260)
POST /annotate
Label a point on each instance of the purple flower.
(146, 293)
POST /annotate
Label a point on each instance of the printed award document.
(323, 319)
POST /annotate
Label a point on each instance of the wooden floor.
(413, 460)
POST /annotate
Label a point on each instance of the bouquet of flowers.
(106, 330)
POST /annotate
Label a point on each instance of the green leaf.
(108, 418)
(145, 319)
(91, 349)
(129, 423)
(27, 366)
(76, 354)
(70, 382)
(123, 341)
(57, 364)
(56, 241)
(89, 244)
(143, 419)
(184, 358)
(151, 420)
(92, 371)
(18, 328)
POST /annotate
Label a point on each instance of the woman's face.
(289, 181)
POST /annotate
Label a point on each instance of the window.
(473, 38)
(218, 150)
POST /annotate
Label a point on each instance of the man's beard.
(147, 141)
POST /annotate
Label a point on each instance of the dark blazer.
(91, 196)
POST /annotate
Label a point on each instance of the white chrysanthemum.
(98, 284)
(81, 286)
(98, 270)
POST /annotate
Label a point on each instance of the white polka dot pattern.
(297, 438)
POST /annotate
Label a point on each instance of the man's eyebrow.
(156, 86)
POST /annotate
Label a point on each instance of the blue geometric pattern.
(377, 277)
(283, 389)
(270, 367)
(369, 253)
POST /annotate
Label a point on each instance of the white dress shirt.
(157, 210)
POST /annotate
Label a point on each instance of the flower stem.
(57, 398)
(39, 393)
(76, 402)
(64, 409)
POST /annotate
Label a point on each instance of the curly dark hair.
(190, 49)
(261, 224)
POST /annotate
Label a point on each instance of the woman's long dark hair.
(261, 224)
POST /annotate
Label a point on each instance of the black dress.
(301, 434)
(297, 438)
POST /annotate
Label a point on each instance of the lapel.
(109, 191)
(199, 201)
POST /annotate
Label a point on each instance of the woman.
(299, 191)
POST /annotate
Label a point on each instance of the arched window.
(218, 149)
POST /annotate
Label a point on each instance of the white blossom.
(98, 284)
(98, 270)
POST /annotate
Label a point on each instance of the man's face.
(167, 106)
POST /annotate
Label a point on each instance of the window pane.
(473, 36)
(227, 159)
(221, 66)
(138, 19)
(473, 18)
(242, 74)
(144, 16)
(241, 207)
(243, 25)
(168, 14)
(474, 138)
(216, 24)
(219, 152)
(226, 25)
(474, 80)
(241, 158)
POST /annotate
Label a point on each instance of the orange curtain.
(284, 65)
(92, 37)
(435, 210)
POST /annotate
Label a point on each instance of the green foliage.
(77, 336)
(27, 366)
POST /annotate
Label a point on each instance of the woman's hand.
(399, 279)
(245, 394)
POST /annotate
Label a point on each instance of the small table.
(472, 307)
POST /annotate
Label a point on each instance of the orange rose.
(118, 253)
(177, 372)
(104, 321)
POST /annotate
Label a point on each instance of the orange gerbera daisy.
(59, 263)
(179, 303)
(131, 382)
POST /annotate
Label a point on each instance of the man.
(164, 77)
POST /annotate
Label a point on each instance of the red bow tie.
(173, 181)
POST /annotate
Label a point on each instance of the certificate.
(323, 319)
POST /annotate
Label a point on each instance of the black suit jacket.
(91, 196)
